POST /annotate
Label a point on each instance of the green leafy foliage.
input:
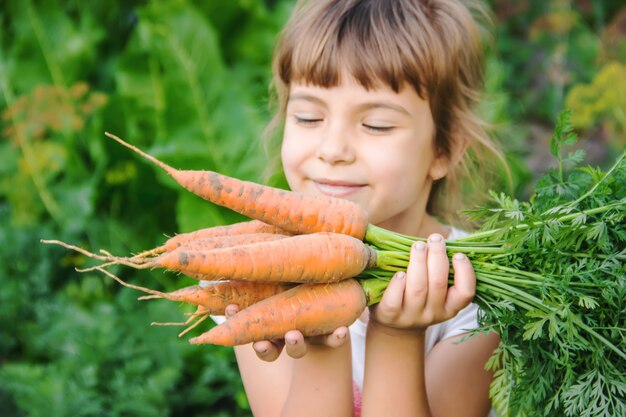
(564, 272)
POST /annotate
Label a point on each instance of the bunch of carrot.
(293, 267)
(313, 263)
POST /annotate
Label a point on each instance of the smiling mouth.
(337, 188)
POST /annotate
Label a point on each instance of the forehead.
(349, 94)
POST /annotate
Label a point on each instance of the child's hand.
(421, 296)
(294, 343)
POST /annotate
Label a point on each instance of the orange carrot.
(317, 257)
(243, 228)
(314, 309)
(215, 296)
(212, 298)
(218, 242)
(194, 245)
(295, 212)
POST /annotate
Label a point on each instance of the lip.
(337, 188)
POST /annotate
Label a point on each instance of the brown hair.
(434, 46)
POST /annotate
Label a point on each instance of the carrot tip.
(149, 297)
(133, 148)
(157, 323)
(96, 267)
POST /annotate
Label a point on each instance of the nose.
(336, 147)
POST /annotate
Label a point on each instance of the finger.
(438, 270)
(416, 290)
(334, 339)
(338, 337)
(231, 310)
(462, 292)
(268, 350)
(295, 346)
(391, 303)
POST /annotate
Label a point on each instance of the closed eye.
(307, 121)
(379, 128)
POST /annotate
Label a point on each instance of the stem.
(602, 339)
(374, 289)
(386, 239)
(495, 266)
(534, 301)
(485, 290)
(518, 281)
(607, 175)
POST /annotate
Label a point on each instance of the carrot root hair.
(193, 326)
(153, 293)
(107, 257)
(76, 249)
(150, 252)
(200, 312)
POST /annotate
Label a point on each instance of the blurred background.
(188, 82)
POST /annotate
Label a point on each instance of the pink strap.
(356, 393)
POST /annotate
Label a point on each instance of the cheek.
(398, 175)
(393, 166)
(287, 159)
(293, 154)
(298, 146)
(288, 147)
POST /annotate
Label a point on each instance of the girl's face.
(372, 147)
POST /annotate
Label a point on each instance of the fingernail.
(291, 341)
(400, 275)
(341, 335)
(459, 256)
(419, 246)
(435, 238)
(262, 352)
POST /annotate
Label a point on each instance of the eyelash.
(305, 121)
(313, 121)
(379, 129)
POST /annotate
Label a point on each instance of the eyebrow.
(363, 107)
(306, 97)
(384, 105)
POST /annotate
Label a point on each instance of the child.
(376, 99)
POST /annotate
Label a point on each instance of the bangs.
(366, 38)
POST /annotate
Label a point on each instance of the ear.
(439, 168)
(442, 164)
